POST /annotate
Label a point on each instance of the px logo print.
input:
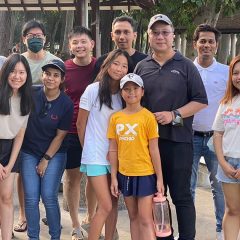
(124, 130)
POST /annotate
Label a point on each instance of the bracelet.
(173, 116)
(47, 157)
(112, 150)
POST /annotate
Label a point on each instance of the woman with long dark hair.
(15, 106)
(98, 102)
(226, 140)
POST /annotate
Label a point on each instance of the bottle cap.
(163, 234)
(159, 198)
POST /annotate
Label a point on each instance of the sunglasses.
(44, 111)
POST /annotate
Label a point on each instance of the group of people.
(134, 124)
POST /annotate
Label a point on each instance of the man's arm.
(187, 110)
(191, 108)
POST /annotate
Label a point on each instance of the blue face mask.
(35, 44)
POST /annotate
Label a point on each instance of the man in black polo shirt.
(123, 34)
(174, 92)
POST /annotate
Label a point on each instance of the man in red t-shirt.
(78, 76)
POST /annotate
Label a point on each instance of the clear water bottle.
(161, 216)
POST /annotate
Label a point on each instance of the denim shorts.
(94, 170)
(221, 176)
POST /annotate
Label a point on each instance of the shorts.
(94, 170)
(139, 186)
(221, 176)
(74, 151)
(5, 152)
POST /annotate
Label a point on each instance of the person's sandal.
(20, 226)
(44, 220)
(86, 227)
(79, 234)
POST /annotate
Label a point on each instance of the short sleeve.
(87, 100)
(66, 120)
(111, 133)
(196, 89)
(218, 124)
(25, 122)
(152, 128)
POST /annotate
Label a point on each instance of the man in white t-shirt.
(214, 76)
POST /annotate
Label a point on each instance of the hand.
(160, 186)
(7, 170)
(41, 167)
(2, 172)
(229, 170)
(237, 174)
(114, 187)
(163, 117)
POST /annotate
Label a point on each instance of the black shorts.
(5, 152)
(74, 152)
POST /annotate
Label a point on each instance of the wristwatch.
(47, 157)
(177, 121)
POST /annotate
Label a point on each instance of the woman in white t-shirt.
(15, 106)
(226, 142)
(97, 103)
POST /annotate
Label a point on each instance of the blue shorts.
(221, 176)
(137, 186)
(94, 170)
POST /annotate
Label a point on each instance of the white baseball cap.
(159, 18)
(131, 77)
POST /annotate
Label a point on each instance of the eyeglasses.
(163, 33)
(32, 35)
(44, 111)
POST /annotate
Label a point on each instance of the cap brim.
(53, 66)
(122, 85)
(164, 21)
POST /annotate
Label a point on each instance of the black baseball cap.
(55, 63)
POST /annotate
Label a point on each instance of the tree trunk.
(238, 46)
(147, 48)
(53, 35)
(13, 23)
(233, 45)
(206, 14)
(224, 48)
(139, 36)
(106, 28)
(63, 21)
(68, 27)
(5, 20)
(142, 34)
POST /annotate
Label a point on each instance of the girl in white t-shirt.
(15, 106)
(97, 103)
(226, 140)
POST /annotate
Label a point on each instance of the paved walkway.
(205, 220)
